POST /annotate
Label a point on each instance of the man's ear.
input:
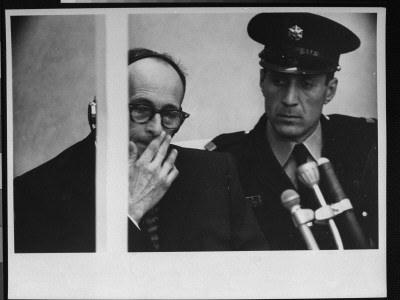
(331, 90)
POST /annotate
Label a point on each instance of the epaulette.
(370, 120)
(225, 140)
(349, 119)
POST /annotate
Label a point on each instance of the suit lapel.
(269, 172)
(267, 169)
(333, 149)
(174, 208)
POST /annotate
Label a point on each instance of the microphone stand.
(291, 201)
(309, 175)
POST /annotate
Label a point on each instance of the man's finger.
(172, 175)
(169, 163)
(152, 148)
(133, 153)
(162, 151)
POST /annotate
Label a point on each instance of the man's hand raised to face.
(150, 175)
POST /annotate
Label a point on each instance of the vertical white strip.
(10, 138)
(101, 147)
(382, 130)
(116, 130)
(380, 284)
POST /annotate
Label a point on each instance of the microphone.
(291, 200)
(334, 192)
(308, 174)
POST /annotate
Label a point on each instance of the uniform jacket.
(204, 209)
(351, 146)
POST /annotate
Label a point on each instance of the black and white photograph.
(57, 71)
(196, 152)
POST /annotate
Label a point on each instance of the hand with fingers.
(150, 175)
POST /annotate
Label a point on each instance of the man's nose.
(291, 97)
(154, 125)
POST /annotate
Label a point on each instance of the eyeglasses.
(170, 118)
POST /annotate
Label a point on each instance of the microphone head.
(308, 174)
(290, 199)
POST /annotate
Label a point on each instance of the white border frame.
(113, 273)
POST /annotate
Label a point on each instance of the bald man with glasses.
(179, 199)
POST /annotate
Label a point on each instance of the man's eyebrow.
(170, 106)
(140, 101)
(310, 77)
(278, 74)
(147, 102)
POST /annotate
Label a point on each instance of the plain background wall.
(221, 60)
(58, 67)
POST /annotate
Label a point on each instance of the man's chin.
(289, 132)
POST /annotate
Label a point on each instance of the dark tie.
(150, 224)
(300, 154)
(308, 200)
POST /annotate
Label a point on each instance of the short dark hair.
(136, 54)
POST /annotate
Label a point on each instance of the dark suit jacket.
(204, 209)
(349, 143)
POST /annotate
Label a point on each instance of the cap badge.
(295, 33)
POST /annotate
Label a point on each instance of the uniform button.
(364, 214)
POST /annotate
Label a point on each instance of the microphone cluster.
(309, 174)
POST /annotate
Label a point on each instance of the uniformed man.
(300, 57)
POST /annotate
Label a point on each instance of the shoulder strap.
(225, 139)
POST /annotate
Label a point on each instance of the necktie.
(308, 200)
(300, 154)
(150, 225)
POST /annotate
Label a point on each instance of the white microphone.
(308, 174)
(291, 200)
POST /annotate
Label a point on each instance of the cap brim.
(295, 69)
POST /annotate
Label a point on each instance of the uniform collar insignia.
(254, 201)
